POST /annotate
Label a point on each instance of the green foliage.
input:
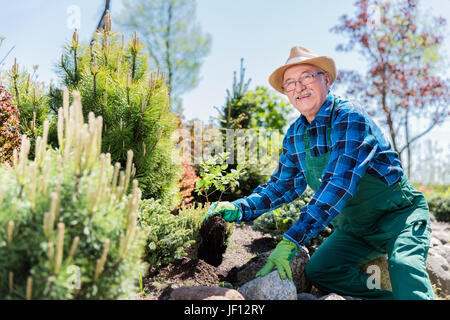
(236, 113)
(112, 77)
(67, 225)
(271, 111)
(262, 116)
(31, 100)
(169, 236)
(278, 221)
(440, 207)
(213, 176)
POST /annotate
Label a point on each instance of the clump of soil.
(213, 233)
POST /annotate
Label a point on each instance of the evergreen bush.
(278, 221)
(31, 99)
(169, 236)
(111, 75)
(68, 228)
(440, 207)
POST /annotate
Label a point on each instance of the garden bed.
(244, 244)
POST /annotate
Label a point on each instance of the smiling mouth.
(302, 96)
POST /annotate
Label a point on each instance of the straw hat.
(300, 55)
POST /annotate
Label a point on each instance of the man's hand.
(228, 211)
(280, 258)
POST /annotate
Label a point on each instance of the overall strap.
(335, 102)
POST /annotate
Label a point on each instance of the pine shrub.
(111, 75)
(278, 221)
(440, 207)
(31, 99)
(169, 236)
(68, 228)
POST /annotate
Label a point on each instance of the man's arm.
(353, 147)
(285, 185)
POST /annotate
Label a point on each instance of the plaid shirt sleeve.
(285, 185)
(353, 147)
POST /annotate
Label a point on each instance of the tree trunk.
(168, 48)
(102, 18)
(389, 121)
(408, 148)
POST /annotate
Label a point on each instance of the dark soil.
(213, 234)
(244, 244)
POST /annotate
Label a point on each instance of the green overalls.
(378, 220)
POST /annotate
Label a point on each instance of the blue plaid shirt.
(357, 146)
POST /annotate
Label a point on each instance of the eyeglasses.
(304, 80)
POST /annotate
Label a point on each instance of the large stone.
(438, 270)
(247, 272)
(205, 293)
(306, 296)
(269, 287)
(442, 250)
(442, 236)
(332, 296)
(379, 265)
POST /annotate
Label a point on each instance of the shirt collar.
(322, 117)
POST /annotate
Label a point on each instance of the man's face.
(307, 99)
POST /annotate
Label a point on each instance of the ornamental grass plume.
(67, 224)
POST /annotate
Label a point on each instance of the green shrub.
(67, 226)
(440, 207)
(278, 221)
(31, 99)
(169, 235)
(112, 78)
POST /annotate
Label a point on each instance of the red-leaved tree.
(403, 80)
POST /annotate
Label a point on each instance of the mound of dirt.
(244, 244)
(181, 272)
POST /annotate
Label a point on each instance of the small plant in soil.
(214, 178)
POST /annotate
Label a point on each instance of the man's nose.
(301, 85)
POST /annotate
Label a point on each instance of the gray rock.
(205, 293)
(438, 270)
(248, 271)
(269, 287)
(332, 296)
(442, 250)
(306, 296)
(442, 236)
(435, 242)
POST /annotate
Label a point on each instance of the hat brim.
(325, 63)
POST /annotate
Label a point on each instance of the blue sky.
(261, 32)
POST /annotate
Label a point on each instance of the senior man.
(360, 187)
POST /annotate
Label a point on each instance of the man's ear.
(328, 80)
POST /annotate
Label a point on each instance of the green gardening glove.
(228, 211)
(280, 258)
